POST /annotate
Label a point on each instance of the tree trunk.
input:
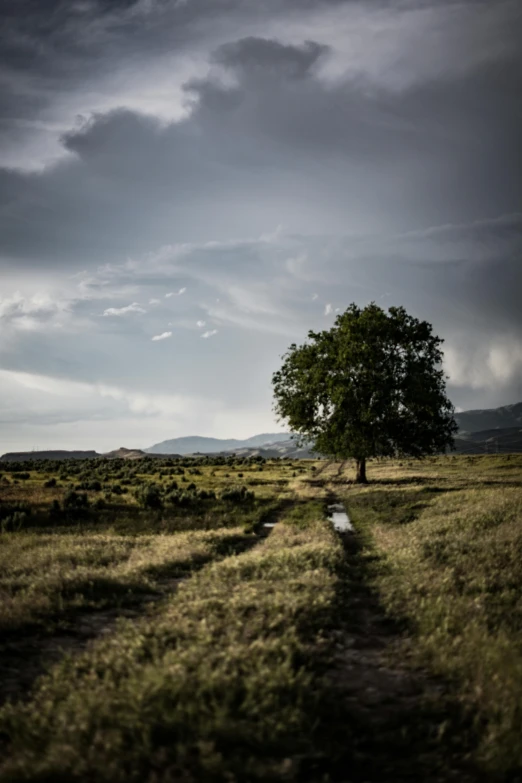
(360, 477)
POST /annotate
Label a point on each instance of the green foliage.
(92, 486)
(237, 494)
(149, 496)
(13, 522)
(75, 500)
(371, 386)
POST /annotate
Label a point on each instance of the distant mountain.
(21, 456)
(490, 418)
(281, 448)
(505, 440)
(194, 444)
(485, 431)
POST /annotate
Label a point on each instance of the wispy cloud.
(162, 336)
(131, 308)
(154, 301)
(175, 293)
(210, 333)
(32, 313)
(201, 324)
(328, 310)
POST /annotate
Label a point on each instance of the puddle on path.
(336, 515)
(339, 518)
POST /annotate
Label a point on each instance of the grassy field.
(218, 648)
(449, 536)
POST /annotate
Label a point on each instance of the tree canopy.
(371, 386)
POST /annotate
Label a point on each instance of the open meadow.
(199, 619)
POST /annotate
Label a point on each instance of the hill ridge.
(191, 444)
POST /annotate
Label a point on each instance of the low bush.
(75, 500)
(13, 522)
(237, 494)
(149, 496)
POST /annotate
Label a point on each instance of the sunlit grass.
(215, 686)
(44, 577)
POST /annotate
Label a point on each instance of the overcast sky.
(188, 186)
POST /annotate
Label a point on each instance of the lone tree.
(371, 386)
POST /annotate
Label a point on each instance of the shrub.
(149, 496)
(172, 498)
(93, 486)
(237, 494)
(185, 499)
(206, 494)
(50, 483)
(75, 500)
(14, 521)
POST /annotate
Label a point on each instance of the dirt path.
(24, 659)
(397, 723)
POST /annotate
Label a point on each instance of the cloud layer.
(178, 171)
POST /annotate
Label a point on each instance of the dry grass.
(451, 541)
(215, 687)
(45, 577)
(223, 681)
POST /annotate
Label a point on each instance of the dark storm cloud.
(260, 56)
(437, 152)
(384, 142)
(471, 273)
(51, 50)
(49, 46)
